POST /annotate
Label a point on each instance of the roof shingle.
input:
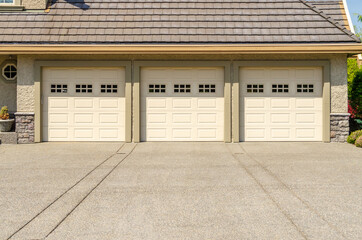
(175, 22)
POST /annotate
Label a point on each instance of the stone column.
(24, 126)
(339, 127)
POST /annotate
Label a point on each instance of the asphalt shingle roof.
(173, 22)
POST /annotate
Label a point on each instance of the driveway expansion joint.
(44, 212)
(285, 186)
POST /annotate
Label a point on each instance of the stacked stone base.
(24, 126)
(339, 127)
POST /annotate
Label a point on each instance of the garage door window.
(182, 88)
(255, 88)
(207, 88)
(109, 88)
(84, 88)
(58, 88)
(280, 88)
(156, 88)
(305, 88)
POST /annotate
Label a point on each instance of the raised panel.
(109, 118)
(156, 102)
(255, 133)
(280, 103)
(207, 133)
(83, 103)
(158, 118)
(159, 133)
(58, 133)
(181, 132)
(206, 118)
(108, 133)
(254, 103)
(181, 103)
(305, 118)
(181, 118)
(280, 118)
(255, 118)
(305, 103)
(278, 133)
(83, 118)
(58, 118)
(83, 132)
(206, 103)
(58, 103)
(109, 103)
(305, 133)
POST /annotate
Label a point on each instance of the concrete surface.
(181, 191)
(8, 138)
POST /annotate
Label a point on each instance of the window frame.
(2, 68)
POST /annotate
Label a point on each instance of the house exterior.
(90, 70)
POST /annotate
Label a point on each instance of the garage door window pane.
(58, 88)
(84, 88)
(207, 88)
(280, 88)
(156, 88)
(255, 88)
(109, 88)
(182, 88)
(305, 88)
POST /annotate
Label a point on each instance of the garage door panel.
(92, 116)
(283, 103)
(197, 115)
(251, 103)
(182, 103)
(58, 103)
(207, 133)
(109, 103)
(109, 118)
(156, 103)
(184, 118)
(280, 133)
(291, 115)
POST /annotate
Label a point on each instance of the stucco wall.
(7, 92)
(338, 72)
(34, 4)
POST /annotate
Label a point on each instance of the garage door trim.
(326, 92)
(137, 85)
(38, 68)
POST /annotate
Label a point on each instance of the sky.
(355, 6)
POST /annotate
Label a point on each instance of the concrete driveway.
(180, 191)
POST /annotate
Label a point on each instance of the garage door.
(83, 104)
(182, 104)
(281, 104)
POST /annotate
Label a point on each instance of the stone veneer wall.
(24, 126)
(339, 127)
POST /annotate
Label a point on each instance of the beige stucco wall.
(339, 96)
(34, 4)
(7, 92)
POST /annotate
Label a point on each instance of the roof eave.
(183, 49)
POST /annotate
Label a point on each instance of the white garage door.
(182, 104)
(83, 104)
(281, 104)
